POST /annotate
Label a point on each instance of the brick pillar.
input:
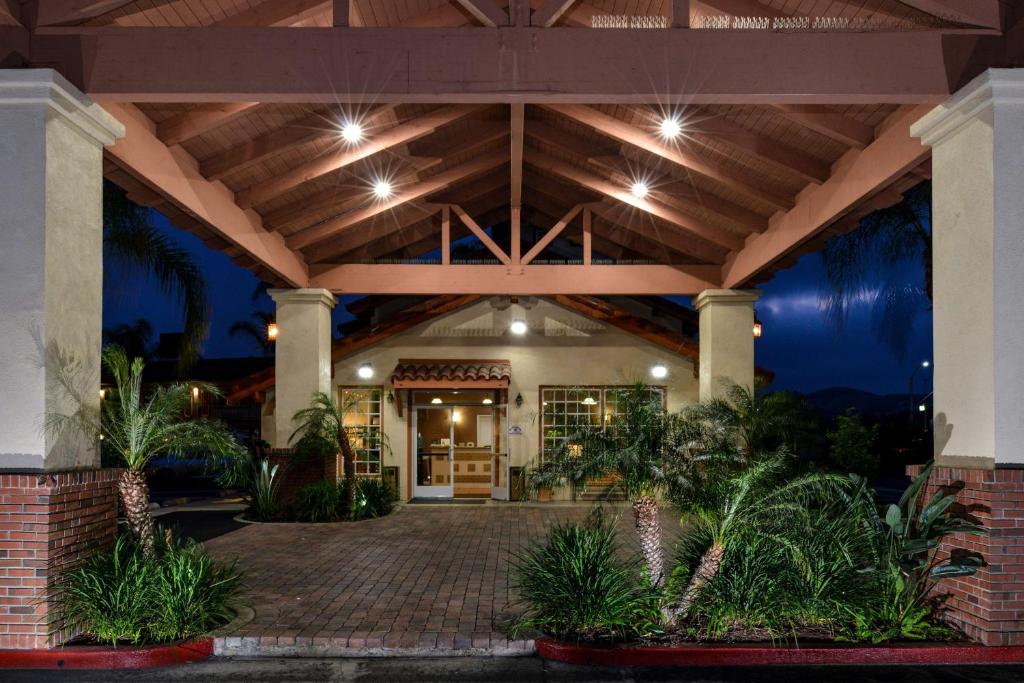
(49, 521)
(989, 606)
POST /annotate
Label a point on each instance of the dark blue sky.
(798, 344)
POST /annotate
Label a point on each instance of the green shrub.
(319, 502)
(574, 586)
(852, 446)
(123, 596)
(374, 498)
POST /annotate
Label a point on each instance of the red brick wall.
(48, 523)
(988, 606)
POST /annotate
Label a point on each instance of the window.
(361, 408)
(565, 410)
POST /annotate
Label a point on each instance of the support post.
(977, 141)
(302, 354)
(726, 339)
(51, 285)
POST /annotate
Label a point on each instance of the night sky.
(799, 345)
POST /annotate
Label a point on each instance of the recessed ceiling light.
(365, 371)
(659, 371)
(352, 132)
(671, 128)
(518, 327)
(639, 189)
(382, 189)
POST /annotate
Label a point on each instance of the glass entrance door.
(433, 430)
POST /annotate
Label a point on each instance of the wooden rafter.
(620, 130)
(859, 174)
(487, 12)
(839, 127)
(306, 237)
(379, 142)
(684, 222)
(194, 122)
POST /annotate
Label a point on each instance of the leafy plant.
(136, 428)
(263, 505)
(575, 587)
(318, 502)
(374, 498)
(123, 595)
(852, 446)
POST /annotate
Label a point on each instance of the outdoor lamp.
(272, 331)
(365, 371)
(659, 371)
(518, 327)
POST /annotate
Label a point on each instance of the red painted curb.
(104, 657)
(767, 655)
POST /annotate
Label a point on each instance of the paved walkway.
(426, 580)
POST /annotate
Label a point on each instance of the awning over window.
(420, 373)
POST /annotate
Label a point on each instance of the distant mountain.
(838, 400)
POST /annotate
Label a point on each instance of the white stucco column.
(977, 140)
(51, 263)
(726, 339)
(302, 354)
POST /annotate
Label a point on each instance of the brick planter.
(49, 521)
(989, 606)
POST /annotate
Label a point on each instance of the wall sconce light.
(519, 400)
(272, 331)
(758, 329)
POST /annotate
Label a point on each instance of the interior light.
(659, 371)
(435, 400)
(352, 132)
(382, 189)
(488, 401)
(639, 189)
(272, 331)
(518, 327)
(671, 127)
(365, 371)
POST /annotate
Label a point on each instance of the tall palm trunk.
(710, 562)
(348, 493)
(135, 497)
(648, 529)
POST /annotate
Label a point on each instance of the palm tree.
(255, 330)
(131, 239)
(870, 264)
(755, 501)
(136, 428)
(321, 431)
(640, 449)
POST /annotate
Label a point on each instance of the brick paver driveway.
(424, 580)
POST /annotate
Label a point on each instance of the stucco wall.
(562, 348)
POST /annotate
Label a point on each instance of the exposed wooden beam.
(353, 278)
(553, 65)
(984, 13)
(684, 222)
(277, 13)
(203, 118)
(629, 134)
(857, 175)
(486, 12)
(175, 174)
(551, 234)
(333, 226)
(481, 235)
(379, 142)
(550, 12)
(839, 127)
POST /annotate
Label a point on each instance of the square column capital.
(45, 88)
(729, 297)
(992, 88)
(315, 296)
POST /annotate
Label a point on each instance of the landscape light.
(639, 189)
(518, 327)
(365, 371)
(659, 371)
